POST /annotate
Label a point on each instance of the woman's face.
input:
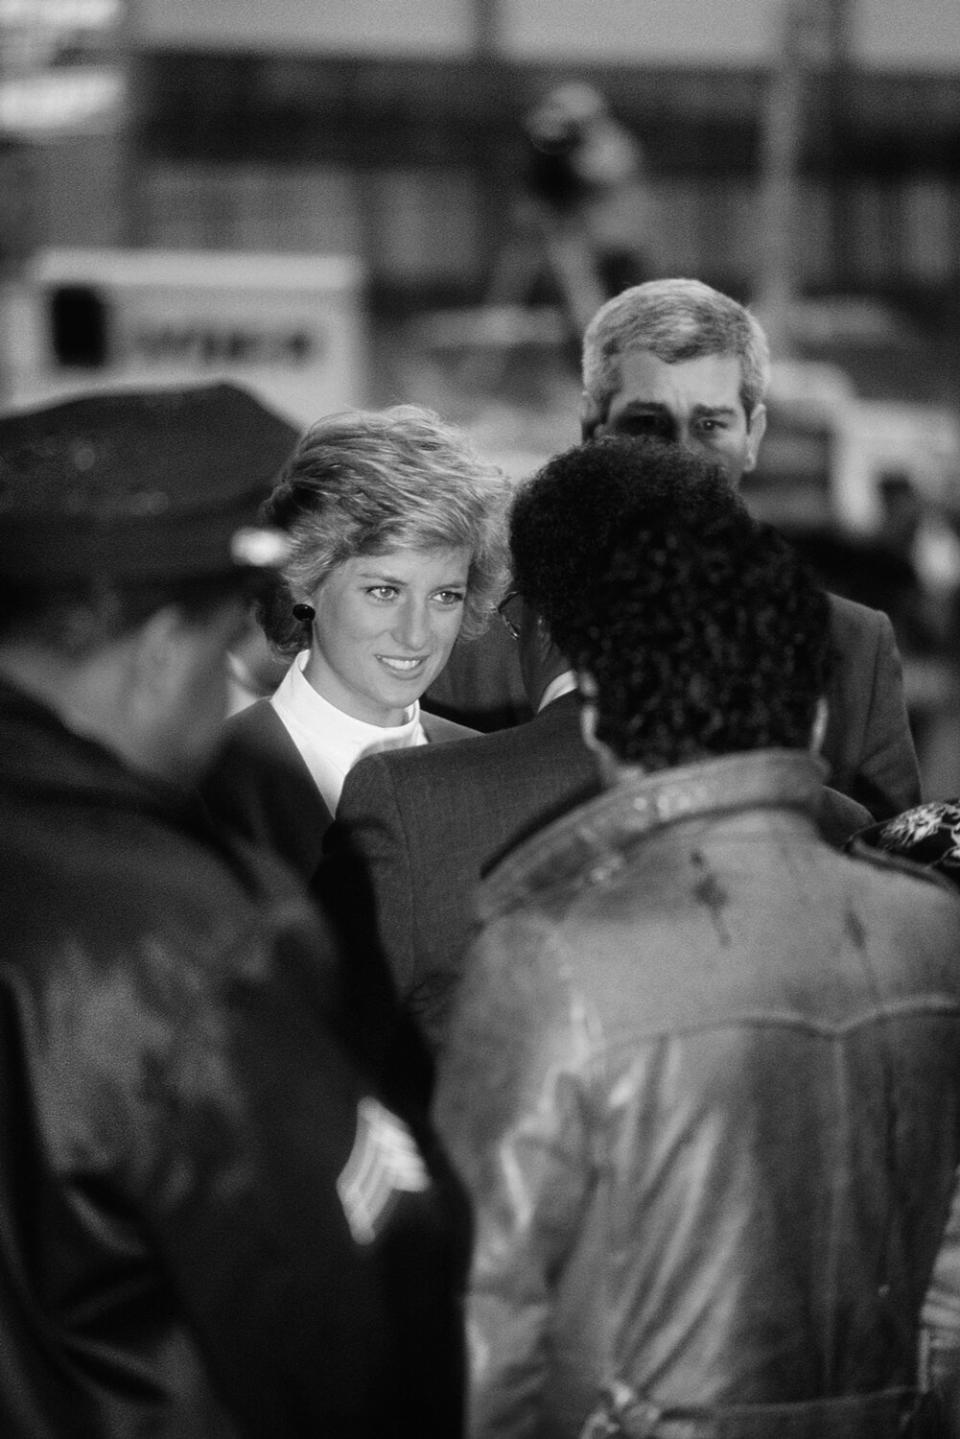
(384, 629)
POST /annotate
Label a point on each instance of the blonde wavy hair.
(361, 482)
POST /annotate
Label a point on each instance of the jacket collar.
(589, 837)
(561, 685)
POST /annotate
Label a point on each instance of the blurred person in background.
(585, 175)
(702, 1076)
(397, 546)
(217, 1216)
(578, 228)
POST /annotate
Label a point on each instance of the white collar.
(562, 684)
(329, 741)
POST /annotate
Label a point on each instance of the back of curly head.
(703, 640)
(566, 520)
(361, 482)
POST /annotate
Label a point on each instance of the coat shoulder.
(439, 730)
(468, 754)
(258, 727)
(850, 618)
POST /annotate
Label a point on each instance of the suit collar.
(598, 833)
(560, 685)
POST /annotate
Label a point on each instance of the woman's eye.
(382, 592)
(450, 597)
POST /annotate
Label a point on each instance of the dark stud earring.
(304, 613)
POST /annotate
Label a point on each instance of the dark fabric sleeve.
(889, 775)
(364, 888)
(259, 789)
(839, 817)
(412, 835)
(868, 745)
(369, 832)
(512, 1108)
(940, 1323)
(305, 1234)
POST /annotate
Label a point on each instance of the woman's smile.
(397, 662)
(384, 628)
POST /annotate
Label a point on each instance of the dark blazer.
(416, 829)
(259, 787)
(420, 835)
(868, 745)
(210, 1221)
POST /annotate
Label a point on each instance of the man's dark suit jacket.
(259, 788)
(419, 835)
(416, 829)
(868, 745)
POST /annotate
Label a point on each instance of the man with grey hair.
(677, 359)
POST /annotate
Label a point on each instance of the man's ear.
(129, 693)
(590, 416)
(587, 686)
(156, 653)
(756, 429)
(608, 766)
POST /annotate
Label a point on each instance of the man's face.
(695, 403)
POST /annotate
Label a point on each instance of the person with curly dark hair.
(701, 1074)
(705, 636)
(575, 507)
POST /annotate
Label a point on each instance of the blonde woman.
(397, 547)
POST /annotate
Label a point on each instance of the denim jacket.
(703, 1083)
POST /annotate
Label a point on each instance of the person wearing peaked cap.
(138, 485)
(220, 1211)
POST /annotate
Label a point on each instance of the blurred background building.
(327, 197)
(394, 133)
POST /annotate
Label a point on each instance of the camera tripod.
(541, 245)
